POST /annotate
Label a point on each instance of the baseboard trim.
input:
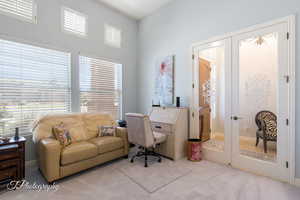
(31, 163)
(297, 182)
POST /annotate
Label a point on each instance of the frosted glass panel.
(212, 97)
(258, 79)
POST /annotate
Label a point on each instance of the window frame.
(65, 8)
(34, 14)
(108, 43)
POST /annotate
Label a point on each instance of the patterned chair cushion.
(269, 127)
(265, 116)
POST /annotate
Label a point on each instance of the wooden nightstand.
(12, 160)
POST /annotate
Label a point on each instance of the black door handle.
(236, 118)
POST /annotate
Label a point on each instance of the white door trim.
(290, 20)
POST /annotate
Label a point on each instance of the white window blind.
(74, 22)
(33, 81)
(113, 36)
(22, 9)
(100, 86)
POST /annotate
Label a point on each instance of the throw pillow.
(62, 134)
(106, 131)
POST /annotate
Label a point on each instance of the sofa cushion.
(107, 143)
(159, 137)
(78, 151)
(77, 131)
(93, 120)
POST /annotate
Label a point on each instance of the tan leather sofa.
(87, 150)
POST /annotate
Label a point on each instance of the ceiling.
(136, 8)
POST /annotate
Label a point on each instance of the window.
(33, 81)
(113, 36)
(100, 86)
(22, 9)
(74, 22)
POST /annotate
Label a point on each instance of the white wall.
(47, 32)
(173, 28)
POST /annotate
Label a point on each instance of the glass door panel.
(212, 97)
(260, 101)
(258, 96)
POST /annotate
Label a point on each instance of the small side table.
(12, 160)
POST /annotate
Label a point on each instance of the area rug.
(156, 175)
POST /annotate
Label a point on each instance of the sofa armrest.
(122, 133)
(49, 150)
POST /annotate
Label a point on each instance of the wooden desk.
(12, 160)
(172, 122)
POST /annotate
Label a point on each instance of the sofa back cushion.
(72, 122)
(94, 120)
(82, 126)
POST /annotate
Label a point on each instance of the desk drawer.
(161, 127)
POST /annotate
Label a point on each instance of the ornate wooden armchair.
(266, 122)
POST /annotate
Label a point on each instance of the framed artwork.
(164, 81)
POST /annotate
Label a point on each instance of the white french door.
(234, 79)
(259, 83)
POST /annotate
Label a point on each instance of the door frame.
(290, 20)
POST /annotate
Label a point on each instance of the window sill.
(23, 135)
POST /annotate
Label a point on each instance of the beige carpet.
(206, 180)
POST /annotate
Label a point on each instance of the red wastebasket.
(194, 148)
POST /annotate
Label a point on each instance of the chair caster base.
(145, 152)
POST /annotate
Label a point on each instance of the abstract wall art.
(164, 81)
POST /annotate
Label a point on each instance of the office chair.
(140, 133)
